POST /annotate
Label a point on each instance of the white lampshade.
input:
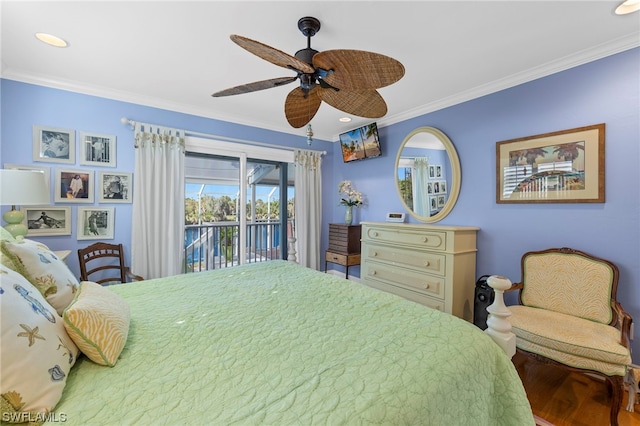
(628, 6)
(21, 187)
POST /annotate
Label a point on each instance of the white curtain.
(158, 202)
(308, 202)
(420, 179)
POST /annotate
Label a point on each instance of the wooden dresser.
(344, 246)
(429, 264)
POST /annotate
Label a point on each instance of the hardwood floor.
(569, 399)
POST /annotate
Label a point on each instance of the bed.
(276, 343)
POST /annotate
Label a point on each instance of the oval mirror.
(428, 174)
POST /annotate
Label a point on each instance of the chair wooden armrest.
(624, 323)
(132, 276)
(515, 286)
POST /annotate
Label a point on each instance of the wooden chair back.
(103, 263)
(570, 282)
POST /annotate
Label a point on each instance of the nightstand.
(344, 246)
(62, 254)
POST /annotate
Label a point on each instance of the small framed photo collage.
(436, 188)
(73, 185)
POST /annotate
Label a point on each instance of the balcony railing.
(215, 245)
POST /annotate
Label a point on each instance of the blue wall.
(604, 91)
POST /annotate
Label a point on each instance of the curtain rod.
(132, 125)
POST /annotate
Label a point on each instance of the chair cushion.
(98, 322)
(36, 352)
(570, 340)
(581, 286)
(42, 268)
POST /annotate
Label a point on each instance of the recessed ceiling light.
(628, 6)
(51, 40)
(345, 119)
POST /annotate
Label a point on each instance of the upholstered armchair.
(568, 316)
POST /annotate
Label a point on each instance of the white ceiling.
(174, 55)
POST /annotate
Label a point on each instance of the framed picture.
(47, 220)
(559, 167)
(45, 170)
(115, 187)
(97, 150)
(54, 145)
(96, 223)
(433, 204)
(74, 186)
(443, 186)
(441, 201)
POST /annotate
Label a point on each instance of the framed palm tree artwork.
(559, 167)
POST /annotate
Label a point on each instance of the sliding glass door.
(237, 209)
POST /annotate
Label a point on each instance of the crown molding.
(579, 58)
(571, 61)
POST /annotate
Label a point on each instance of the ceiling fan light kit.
(345, 79)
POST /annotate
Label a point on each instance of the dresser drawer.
(425, 283)
(423, 299)
(428, 262)
(432, 240)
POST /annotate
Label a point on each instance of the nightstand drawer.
(343, 259)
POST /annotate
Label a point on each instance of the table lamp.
(21, 187)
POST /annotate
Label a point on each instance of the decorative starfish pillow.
(36, 352)
(49, 274)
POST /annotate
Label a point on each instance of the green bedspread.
(275, 343)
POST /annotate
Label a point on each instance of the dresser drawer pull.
(426, 239)
(426, 286)
(427, 263)
(373, 272)
(375, 234)
(335, 257)
(375, 253)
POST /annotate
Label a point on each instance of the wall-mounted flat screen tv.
(360, 143)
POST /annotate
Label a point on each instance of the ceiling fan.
(345, 79)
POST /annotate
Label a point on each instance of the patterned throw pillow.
(36, 353)
(98, 322)
(42, 268)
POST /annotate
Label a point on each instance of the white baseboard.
(341, 275)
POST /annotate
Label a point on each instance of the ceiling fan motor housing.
(309, 26)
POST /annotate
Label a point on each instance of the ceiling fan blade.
(271, 54)
(363, 103)
(299, 109)
(253, 87)
(357, 69)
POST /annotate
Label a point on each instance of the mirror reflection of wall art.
(115, 187)
(74, 186)
(96, 223)
(427, 165)
(54, 145)
(559, 167)
(97, 150)
(47, 220)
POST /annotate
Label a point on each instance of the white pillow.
(42, 268)
(36, 354)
